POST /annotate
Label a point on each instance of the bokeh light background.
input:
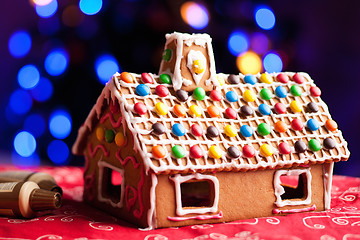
(56, 56)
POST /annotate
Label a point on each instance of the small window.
(196, 194)
(294, 186)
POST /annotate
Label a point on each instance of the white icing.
(187, 82)
(178, 179)
(151, 216)
(191, 57)
(327, 176)
(279, 189)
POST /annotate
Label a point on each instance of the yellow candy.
(120, 139)
(249, 96)
(296, 106)
(100, 133)
(266, 78)
(161, 108)
(195, 110)
(266, 150)
(230, 131)
(215, 152)
(220, 79)
(198, 66)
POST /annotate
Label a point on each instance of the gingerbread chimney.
(189, 60)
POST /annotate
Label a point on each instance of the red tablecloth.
(76, 220)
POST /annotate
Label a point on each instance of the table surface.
(76, 220)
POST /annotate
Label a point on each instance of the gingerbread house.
(190, 146)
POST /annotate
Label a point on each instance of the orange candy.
(158, 151)
(126, 77)
(179, 110)
(280, 126)
(213, 111)
(331, 125)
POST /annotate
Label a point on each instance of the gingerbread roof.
(252, 122)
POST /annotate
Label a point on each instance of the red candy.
(215, 95)
(297, 124)
(283, 78)
(146, 78)
(162, 91)
(196, 130)
(231, 113)
(298, 78)
(248, 151)
(140, 108)
(195, 152)
(280, 108)
(315, 91)
(284, 148)
(114, 107)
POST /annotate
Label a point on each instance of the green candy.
(165, 78)
(296, 90)
(166, 55)
(266, 94)
(109, 136)
(314, 145)
(199, 93)
(178, 151)
(263, 129)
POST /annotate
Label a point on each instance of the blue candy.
(178, 129)
(251, 79)
(231, 96)
(281, 92)
(312, 124)
(246, 131)
(142, 90)
(264, 109)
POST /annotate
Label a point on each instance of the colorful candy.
(178, 129)
(161, 108)
(251, 79)
(314, 145)
(266, 78)
(212, 132)
(230, 131)
(198, 66)
(140, 108)
(315, 91)
(329, 143)
(331, 125)
(280, 126)
(158, 129)
(181, 95)
(249, 96)
(231, 113)
(281, 92)
(178, 151)
(109, 136)
(196, 130)
(215, 152)
(215, 95)
(300, 146)
(284, 148)
(165, 78)
(264, 109)
(263, 129)
(266, 150)
(199, 93)
(147, 78)
(195, 152)
(158, 151)
(298, 78)
(161, 90)
(312, 124)
(246, 131)
(296, 90)
(280, 108)
(220, 79)
(312, 107)
(297, 124)
(179, 110)
(233, 152)
(248, 151)
(126, 77)
(120, 139)
(195, 111)
(213, 111)
(166, 55)
(100, 133)
(231, 96)
(266, 94)
(283, 78)
(296, 106)
(246, 110)
(233, 79)
(142, 90)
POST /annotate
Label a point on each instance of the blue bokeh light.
(43, 90)
(19, 44)
(90, 7)
(35, 124)
(265, 18)
(47, 10)
(105, 66)
(48, 26)
(56, 62)
(60, 124)
(25, 162)
(272, 63)
(58, 152)
(197, 16)
(20, 102)
(28, 76)
(24, 144)
(238, 43)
